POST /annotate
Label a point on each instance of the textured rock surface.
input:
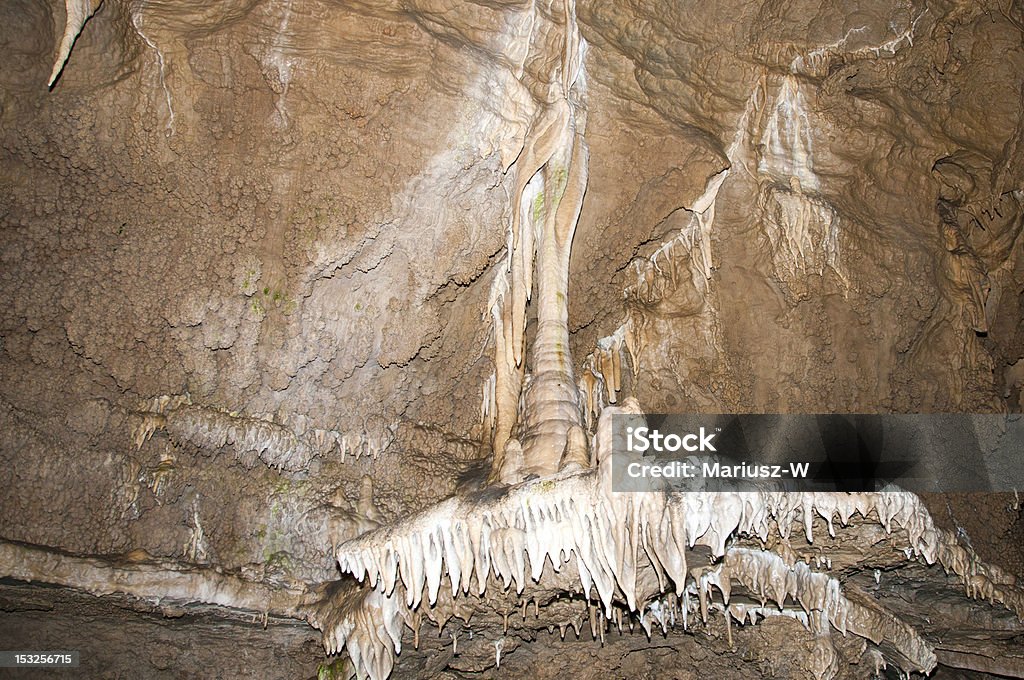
(266, 291)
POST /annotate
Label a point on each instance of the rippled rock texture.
(282, 273)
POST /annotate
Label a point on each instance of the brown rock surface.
(250, 253)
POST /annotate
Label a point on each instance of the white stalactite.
(78, 12)
(609, 535)
(465, 546)
(251, 438)
(766, 575)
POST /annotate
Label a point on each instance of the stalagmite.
(575, 455)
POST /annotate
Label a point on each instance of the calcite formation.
(630, 550)
(77, 13)
(319, 314)
(250, 438)
(550, 181)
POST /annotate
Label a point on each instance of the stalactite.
(616, 541)
(609, 535)
(274, 444)
(77, 13)
(488, 407)
(766, 575)
(508, 373)
(591, 387)
(551, 403)
(683, 260)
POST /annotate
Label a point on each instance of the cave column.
(551, 180)
(551, 414)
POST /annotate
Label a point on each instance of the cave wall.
(248, 246)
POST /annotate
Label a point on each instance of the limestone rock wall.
(249, 245)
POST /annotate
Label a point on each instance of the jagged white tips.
(285, 447)
(766, 575)
(617, 541)
(78, 12)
